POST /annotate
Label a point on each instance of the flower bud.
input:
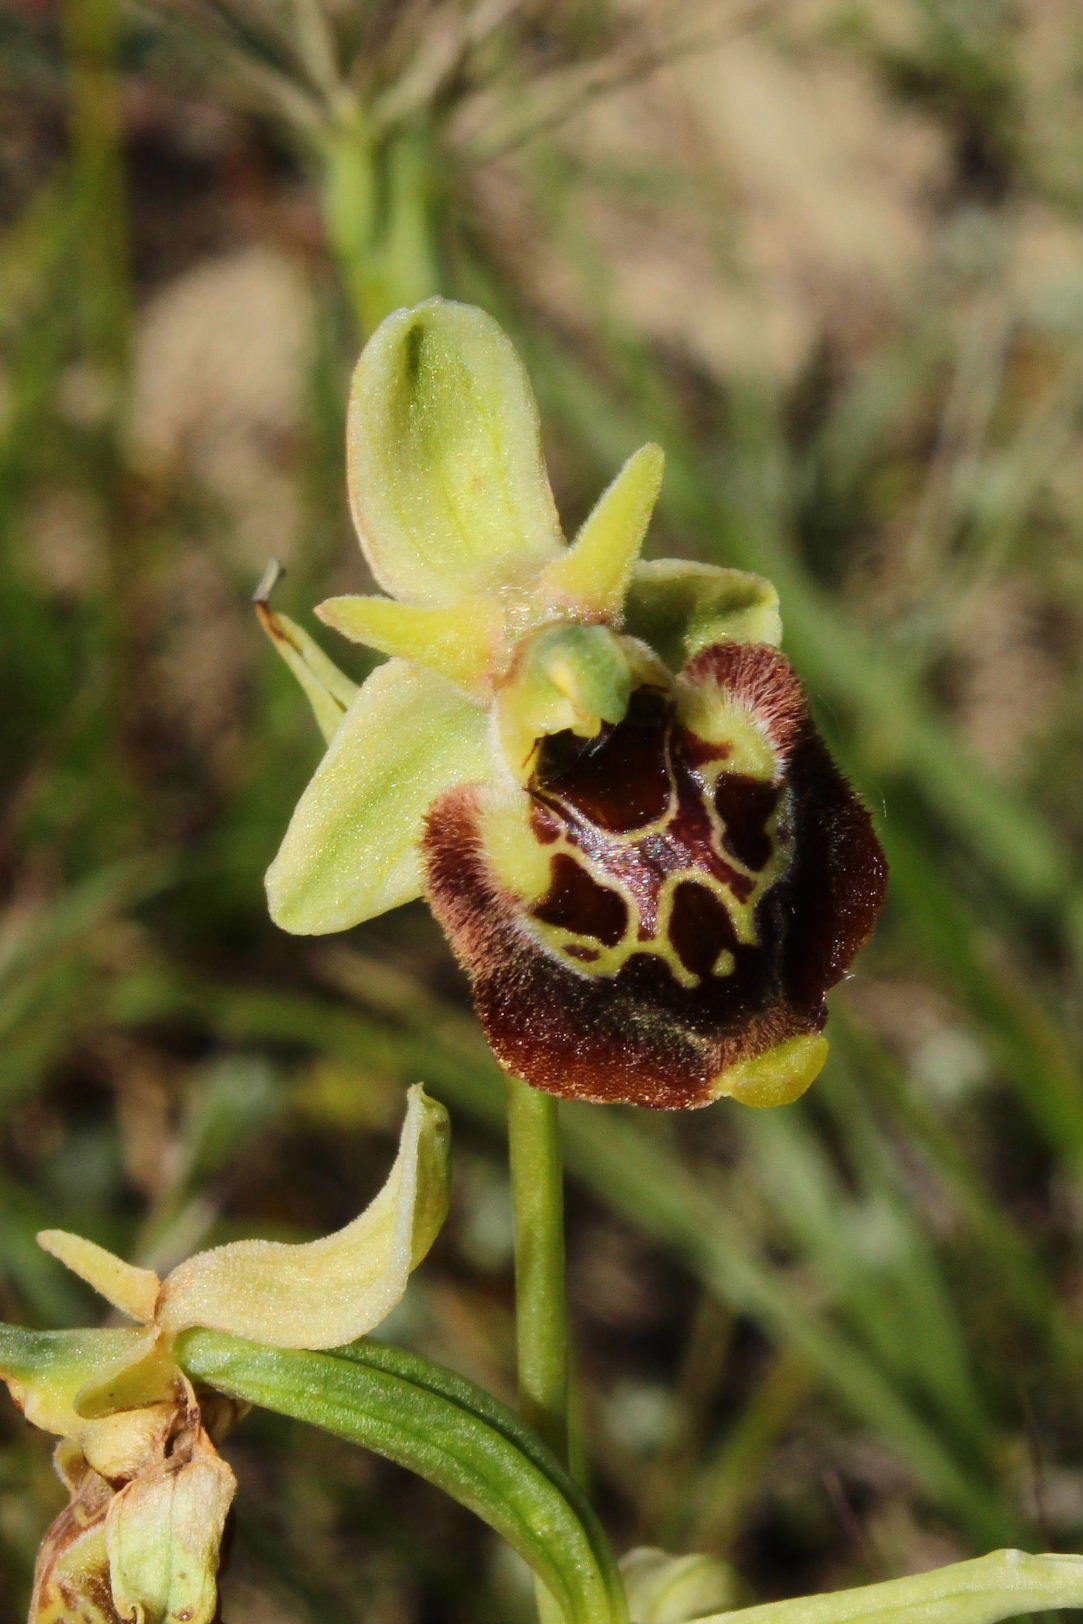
(664, 1589)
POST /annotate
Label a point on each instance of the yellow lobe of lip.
(778, 1077)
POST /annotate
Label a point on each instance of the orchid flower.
(602, 773)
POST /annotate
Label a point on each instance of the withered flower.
(140, 1539)
(602, 773)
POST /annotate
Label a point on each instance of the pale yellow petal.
(462, 641)
(330, 1291)
(133, 1290)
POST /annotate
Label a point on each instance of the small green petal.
(591, 579)
(447, 483)
(462, 641)
(679, 609)
(333, 1290)
(350, 851)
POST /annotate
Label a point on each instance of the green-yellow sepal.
(351, 849)
(447, 484)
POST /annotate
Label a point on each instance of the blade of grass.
(445, 1429)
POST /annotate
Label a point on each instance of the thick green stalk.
(541, 1314)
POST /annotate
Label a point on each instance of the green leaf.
(679, 608)
(447, 484)
(449, 1432)
(350, 851)
(994, 1587)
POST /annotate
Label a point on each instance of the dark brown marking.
(745, 804)
(698, 752)
(699, 928)
(586, 955)
(575, 901)
(617, 781)
(691, 832)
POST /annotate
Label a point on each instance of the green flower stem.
(541, 1313)
(379, 201)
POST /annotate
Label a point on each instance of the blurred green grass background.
(826, 252)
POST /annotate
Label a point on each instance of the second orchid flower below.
(602, 773)
(139, 1541)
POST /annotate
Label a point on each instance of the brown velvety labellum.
(695, 916)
